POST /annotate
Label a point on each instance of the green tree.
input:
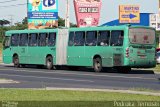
(61, 21)
(4, 22)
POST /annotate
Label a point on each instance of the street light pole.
(67, 23)
(11, 20)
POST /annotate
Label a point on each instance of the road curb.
(157, 72)
(106, 90)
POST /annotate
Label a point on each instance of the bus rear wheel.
(16, 61)
(49, 62)
(97, 64)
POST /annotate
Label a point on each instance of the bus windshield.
(6, 42)
(141, 36)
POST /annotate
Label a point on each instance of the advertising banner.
(155, 21)
(42, 14)
(87, 12)
(129, 14)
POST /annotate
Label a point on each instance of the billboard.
(155, 21)
(42, 14)
(87, 12)
(129, 14)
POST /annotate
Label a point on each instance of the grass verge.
(145, 90)
(157, 68)
(0, 52)
(65, 95)
(66, 98)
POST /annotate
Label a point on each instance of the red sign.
(87, 12)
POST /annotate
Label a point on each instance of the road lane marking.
(95, 75)
(11, 70)
(39, 77)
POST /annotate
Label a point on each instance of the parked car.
(158, 49)
(158, 57)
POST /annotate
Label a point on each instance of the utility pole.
(67, 23)
(159, 17)
(159, 7)
(11, 20)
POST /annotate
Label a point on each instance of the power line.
(14, 5)
(8, 1)
(4, 15)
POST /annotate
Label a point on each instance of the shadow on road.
(142, 72)
(133, 71)
(85, 69)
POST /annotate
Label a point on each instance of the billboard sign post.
(129, 14)
(42, 14)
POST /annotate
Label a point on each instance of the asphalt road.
(32, 77)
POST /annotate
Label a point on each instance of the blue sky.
(109, 9)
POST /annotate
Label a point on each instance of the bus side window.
(51, 39)
(117, 38)
(23, 40)
(42, 39)
(79, 39)
(14, 40)
(33, 39)
(71, 39)
(103, 38)
(91, 38)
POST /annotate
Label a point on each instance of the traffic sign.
(129, 14)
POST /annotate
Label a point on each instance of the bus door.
(42, 49)
(15, 44)
(7, 52)
(23, 48)
(90, 47)
(116, 43)
(33, 48)
(105, 51)
(61, 47)
(76, 48)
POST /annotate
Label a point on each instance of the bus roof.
(120, 27)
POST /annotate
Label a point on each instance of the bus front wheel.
(49, 62)
(97, 64)
(16, 61)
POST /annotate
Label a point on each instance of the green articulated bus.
(122, 47)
